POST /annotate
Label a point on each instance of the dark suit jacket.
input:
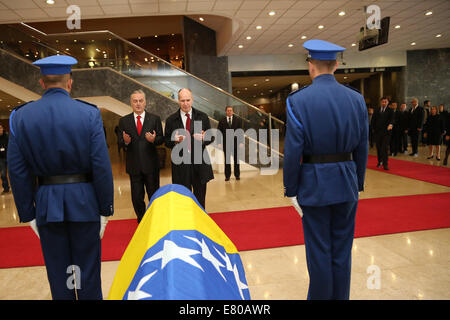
(180, 172)
(381, 120)
(223, 126)
(141, 154)
(416, 119)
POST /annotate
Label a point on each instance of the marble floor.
(414, 265)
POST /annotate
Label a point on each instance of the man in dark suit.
(229, 124)
(141, 133)
(185, 135)
(415, 125)
(383, 122)
(403, 127)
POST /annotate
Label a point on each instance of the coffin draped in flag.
(178, 252)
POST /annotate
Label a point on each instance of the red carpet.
(256, 229)
(414, 170)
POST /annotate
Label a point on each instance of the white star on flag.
(138, 293)
(171, 251)
(206, 253)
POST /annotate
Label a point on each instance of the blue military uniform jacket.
(58, 135)
(325, 118)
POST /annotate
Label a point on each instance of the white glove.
(296, 206)
(103, 223)
(33, 226)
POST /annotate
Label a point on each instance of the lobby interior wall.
(201, 55)
(428, 76)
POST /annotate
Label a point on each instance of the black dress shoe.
(237, 178)
(430, 157)
(438, 159)
(386, 168)
(227, 179)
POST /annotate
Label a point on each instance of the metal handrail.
(160, 59)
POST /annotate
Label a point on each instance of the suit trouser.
(138, 182)
(382, 144)
(72, 255)
(414, 140)
(328, 233)
(237, 171)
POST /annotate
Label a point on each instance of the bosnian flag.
(178, 252)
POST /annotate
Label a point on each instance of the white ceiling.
(292, 19)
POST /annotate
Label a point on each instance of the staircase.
(109, 65)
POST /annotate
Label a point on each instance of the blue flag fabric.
(178, 252)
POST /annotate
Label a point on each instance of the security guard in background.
(62, 181)
(325, 157)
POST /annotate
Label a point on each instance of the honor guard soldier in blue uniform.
(61, 179)
(325, 157)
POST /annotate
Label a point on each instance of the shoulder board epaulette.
(350, 87)
(294, 92)
(11, 129)
(88, 103)
(18, 107)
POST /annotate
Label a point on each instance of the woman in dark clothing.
(433, 131)
(447, 138)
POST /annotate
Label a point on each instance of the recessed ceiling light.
(353, 44)
(245, 89)
(267, 79)
(201, 19)
(290, 45)
(240, 46)
(342, 13)
(413, 43)
(271, 13)
(258, 27)
(50, 1)
(248, 38)
(255, 84)
(321, 27)
(397, 26)
(438, 35)
(428, 13)
(303, 37)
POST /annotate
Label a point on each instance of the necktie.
(139, 125)
(188, 129)
(229, 122)
(188, 123)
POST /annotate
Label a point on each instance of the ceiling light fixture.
(321, 27)
(438, 35)
(248, 38)
(397, 26)
(342, 13)
(428, 13)
(201, 19)
(303, 37)
(240, 46)
(271, 13)
(413, 43)
(50, 1)
(353, 44)
(258, 27)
